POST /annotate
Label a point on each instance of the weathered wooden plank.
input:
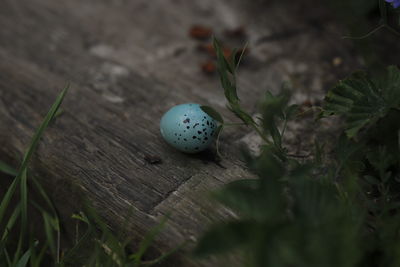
(101, 151)
(128, 62)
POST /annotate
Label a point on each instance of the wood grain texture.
(128, 62)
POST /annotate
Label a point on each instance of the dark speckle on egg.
(179, 128)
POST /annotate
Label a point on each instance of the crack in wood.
(169, 194)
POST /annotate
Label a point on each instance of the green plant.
(98, 246)
(335, 208)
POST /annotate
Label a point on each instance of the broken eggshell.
(188, 128)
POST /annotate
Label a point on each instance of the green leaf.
(291, 111)
(275, 106)
(213, 113)
(391, 87)
(7, 169)
(226, 74)
(348, 154)
(275, 134)
(221, 60)
(313, 199)
(224, 237)
(363, 101)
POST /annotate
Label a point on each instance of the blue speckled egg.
(188, 128)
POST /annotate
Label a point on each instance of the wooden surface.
(128, 62)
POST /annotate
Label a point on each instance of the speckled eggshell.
(188, 128)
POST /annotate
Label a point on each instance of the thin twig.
(366, 35)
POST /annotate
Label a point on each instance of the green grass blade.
(146, 242)
(3, 242)
(49, 232)
(83, 242)
(55, 221)
(11, 221)
(24, 199)
(37, 261)
(7, 257)
(44, 195)
(23, 261)
(51, 226)
(7, 198)
(10, 192)
(7, 169)
(39, 132)
(24, 213)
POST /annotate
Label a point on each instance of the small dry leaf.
(208, 67)
(200, 32)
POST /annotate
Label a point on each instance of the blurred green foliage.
(336, 208)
